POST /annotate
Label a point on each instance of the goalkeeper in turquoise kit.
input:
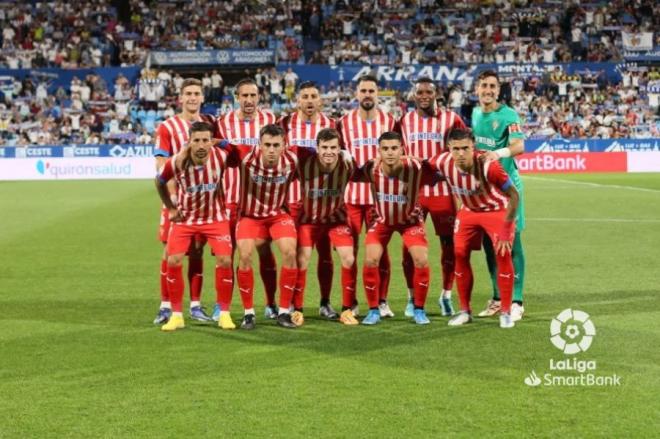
(496, 128)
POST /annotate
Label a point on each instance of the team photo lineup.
(246, 184)
(329, 219)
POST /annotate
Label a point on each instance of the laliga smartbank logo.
(572, 332)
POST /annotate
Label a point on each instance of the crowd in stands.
(552, 105)
(93, 34)
(89, 33)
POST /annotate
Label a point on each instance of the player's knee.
(371, 261)
(223, 261)
(289, 256)
(347, 260)
(421, 261)
(245, 258)
(303, 262)
(175, 260)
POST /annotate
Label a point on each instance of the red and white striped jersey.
(263, 190)
(424, 137)
(480, 192)
(360, 138)
(199, 188)
(240, 132)
(302, 134)
(323, 193)
(396, 197)
(172, 134)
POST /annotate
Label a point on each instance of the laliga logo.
(572, 331)
(42, 166)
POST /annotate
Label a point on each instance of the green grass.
(79, 356)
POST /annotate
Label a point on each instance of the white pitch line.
(598, 185)
(597, 220)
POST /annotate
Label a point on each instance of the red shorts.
(295, 210)
(442, 211)
(412, 234)
(275, 227)
(216, 233)
(166, 225)
(359, 214)
(340, 234)
(470, 226)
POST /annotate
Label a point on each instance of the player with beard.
(301, 129)
(171, 138)
(241, 128)
(424, 131)
(198, 210)
(360, 130)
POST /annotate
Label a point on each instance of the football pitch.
(79, 356)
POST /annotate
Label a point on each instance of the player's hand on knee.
(488, 156)
(175, 215)
(502, 247)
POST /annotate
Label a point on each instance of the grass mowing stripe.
(80, 357)
(593, 185)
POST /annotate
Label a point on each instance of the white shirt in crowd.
(216, 80)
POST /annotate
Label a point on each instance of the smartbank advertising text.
(559, 162)
(77, 168)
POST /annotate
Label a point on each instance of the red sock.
(299, 293)
(195, 277)
(408, 268)
(370, 278)
(384, 282)
(354, 273)
(164, 294)
(288, 280)
(421, 286)
(224, 287)
(447, 262)
(268, 272)
(246, 287)
(325, 267)
(348, 281)
(464, 279)
(175, 286)
(505, 278)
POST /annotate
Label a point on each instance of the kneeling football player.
(200, 210)
(323, 178)
(395, 182)
(489, 202)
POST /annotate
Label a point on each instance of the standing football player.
(360, 130)
(395, 183)
(302, 128)
(489, 202)
(171, 137)
(242, 127)
(424, 131)
(198, 210)
(497, 130)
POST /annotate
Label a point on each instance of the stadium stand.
(99, 35)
